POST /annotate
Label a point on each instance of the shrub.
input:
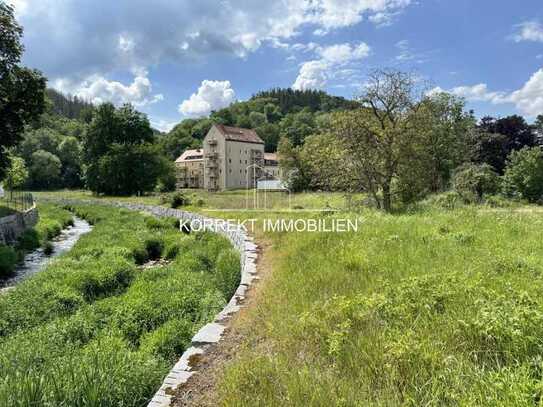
(169, 340)
(472, 181)
(179, 199)
(154, 247)
(8, 260)
(48, 248)
(29, 240)
(524, 174)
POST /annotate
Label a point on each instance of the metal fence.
(17, 200)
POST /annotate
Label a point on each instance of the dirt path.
(201, 388)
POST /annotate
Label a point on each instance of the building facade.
(190, 169)
(231, 158)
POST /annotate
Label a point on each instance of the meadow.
(101, 325)
(434, 307)
(439, 304)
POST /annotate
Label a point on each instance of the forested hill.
(290, 100)
(293, 114)
(70, 107)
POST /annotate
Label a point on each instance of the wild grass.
(94, 329)
(201, 200)
(439, 307)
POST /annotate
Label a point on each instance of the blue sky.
(178, 59)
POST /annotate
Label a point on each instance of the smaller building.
(271, 167)
(190, 169)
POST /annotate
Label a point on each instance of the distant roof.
(188, 154)
(239, 134)
(270, 156)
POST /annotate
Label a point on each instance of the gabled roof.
(191, 153)
(239, 134)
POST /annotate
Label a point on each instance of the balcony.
(212, 142)
(212, 155)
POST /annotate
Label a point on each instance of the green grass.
(201, 200)
(433, 308)
(94, 329)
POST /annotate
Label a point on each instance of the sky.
(175, 59)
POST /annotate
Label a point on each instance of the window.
(230, 160)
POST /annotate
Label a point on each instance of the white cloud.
(529, 31)
(98, 89)
(168, 31)
(211, 95)
(478, 93)
(21, 6)
(313, 75)
(163, 125)
(528, 99)
(333, 59)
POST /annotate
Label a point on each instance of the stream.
(37, 260)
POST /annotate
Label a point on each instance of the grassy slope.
(437, 308)
(93, 329)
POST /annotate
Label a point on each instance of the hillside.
(273, 114)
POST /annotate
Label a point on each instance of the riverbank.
(52, 221)
(37, 260)
(96, 310)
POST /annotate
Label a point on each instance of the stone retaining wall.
(13, 226)
(211, 333)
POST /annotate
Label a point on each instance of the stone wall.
(13, 226)
(211, 333)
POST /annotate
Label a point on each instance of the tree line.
(405, 143)
(395, 142)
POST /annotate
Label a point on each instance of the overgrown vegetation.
(432, 308)
(94, 328)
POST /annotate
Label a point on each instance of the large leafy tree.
(21, 89)
(118, 152)
(523, 176)
(499, 137)
(377, 136)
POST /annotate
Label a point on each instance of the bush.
(179, 199)
(168, 341)
(8, 260)
(472, 182)
(523, 176)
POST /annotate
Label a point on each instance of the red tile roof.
(239, 134)
(191, 155)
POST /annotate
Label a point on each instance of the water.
(37, 260)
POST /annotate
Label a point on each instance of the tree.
(472, 181)
(45, 169)
(270, 134)
(377, 136)
(118, 153)
(494, 150)
(292, 165)
(16, 174)
(444, 139)
(21, 89)
(324, 159)
(524, 174)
